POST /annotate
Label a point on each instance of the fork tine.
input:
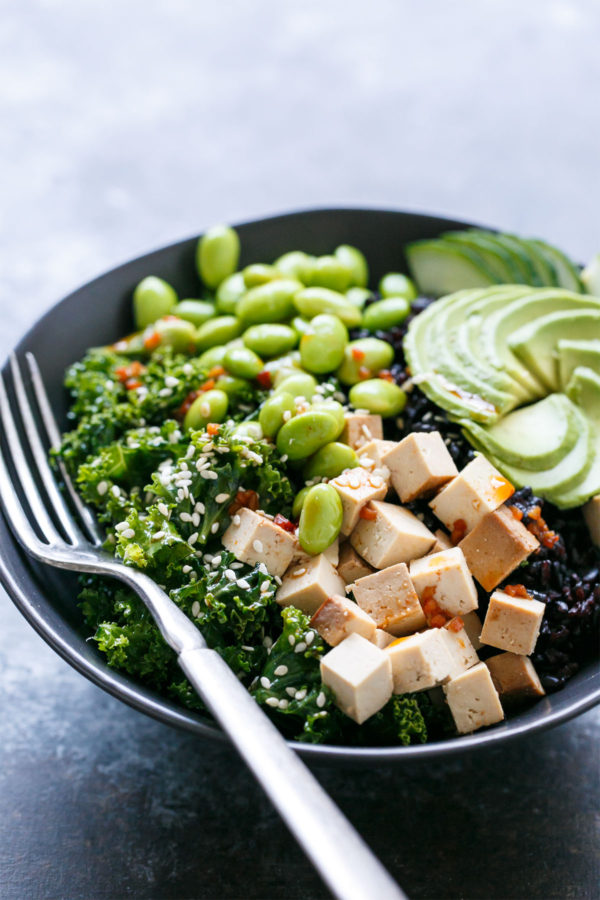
(85, 514)
(38, 452)
(16, 516)
(32, 495)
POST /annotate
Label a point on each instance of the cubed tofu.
(255, 539)
(442, 541)
(591, 514)
(360, 428)
(308, 584)
(473, 699)
(496, 546)
(371, 453)
(512, 623)
(332, 553)
(390, 599)
(356, 488)
(419, 465)
(351, 566)
(339, 617)
(419, 662)
(445, 578)
(514, 677)
(460, 649)
(478, 489)
(473, 626)
(393, 535)
(382, 639)
(360, 676)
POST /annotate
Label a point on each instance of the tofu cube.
(445, 579)
(309, 584)
(473, 699)
(356, 488)
(460, 649)
(442, 541)
(477, 490)
(496, 546)
(382, 639)
(371, 454)
(351, 566)
(332, 553)
(360, 676)
(390, 599)
(472, 624)
(419, 662)
(254, 539)
(419, 465)
(591, 514)
(339, 617)
(512, 623)
(514, 677)
(361, 428)
(393, 536)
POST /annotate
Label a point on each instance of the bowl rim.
(161, 708)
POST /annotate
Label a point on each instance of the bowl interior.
(99, 313)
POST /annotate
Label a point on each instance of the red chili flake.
(264, 379)
(216, 371)
(152, 340)
(538, 527)
(459, 529)
(438, 621)
(133, 383)
(133, 370)
(535, 512)
(386, 375)
(212, 429)
(436, 617)
(244, 499)
(517, 513)
(208, 385)
(517, 590)
(367, 513)
(284, 523)
(364, 373)
(358, 354)
(456, 624)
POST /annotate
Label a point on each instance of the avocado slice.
(535, 343)
(584, 390)
(590, 276)
(533, 437)
(440, 268)
(528, 271)
(566, 271)
(572, 354)
(545, 272)
(494, 256)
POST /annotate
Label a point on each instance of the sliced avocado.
(591, 276)
(439, 268)
(566, 271)
(513, 245)
(535, 344)
(497, 259)
(584, 390)
(533, 437)
(544, 269)
(572, 354)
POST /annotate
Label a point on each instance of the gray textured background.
(128, 125)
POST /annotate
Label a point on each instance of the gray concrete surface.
(128, 125)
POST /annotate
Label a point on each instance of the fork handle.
(346, 864)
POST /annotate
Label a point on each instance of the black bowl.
(99, 313)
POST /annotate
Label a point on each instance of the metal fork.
(47, 530)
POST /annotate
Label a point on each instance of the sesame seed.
(300, 648)
(264, 587)
(284, 458)
(195, 520)
(300, 695)
(115, 491)
(213, 475)
(216, 560)
(258, 546)
(158, 535)
(187, 369)
(193, 538)
(121, 526)
(262, 569)
(243, 584)
(281, 670)
(199, 508)
(267, 642)
(236, 520)
(298, 572)
(230, 575)
(287, 416)
(163, 509)
(165, 392)
(102, 487)
(309, 638)
(277, 579)
(128, 533)
(247, 648)
(185, 517)
(272, 701)
(321, 700)
(171, 381)
(283, 703)
(292, 639)
(221, 498)
(290, 691)
(185, 569)
(195, 609)
(214, 527)
(265, 682)
(237, 565)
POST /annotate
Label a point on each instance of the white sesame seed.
(199, 508)
(214, 527)
(195, 520)
(165, 392)
(121, 526)
(300, 648)
(290, 691)
(212, 475)
(243, 584)
(262, 569)
(272, 701)
(300, 695)
(292, 639)
(309, 637)
(186, 569)
(236, 520)
(247, 648)
(216, 560)
(187, 369)
(193, 538)
(283, 703)
(102, 488)
(287, 416)
(195, 609)
(115, 491)
(298, 572)
(221, 498)
(237, 565)
(258, 546)
(281, 670)
(185, 517)
(230, 575)
(321, 700)
(267, 642)
(128, 533)
(277, 579)
(208, 557)
(163, 509)
(265, 682)
(264, 587)
(158, 535)
(171, 381)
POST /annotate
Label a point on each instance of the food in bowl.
(339, 524)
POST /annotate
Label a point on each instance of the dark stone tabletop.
(129, 125)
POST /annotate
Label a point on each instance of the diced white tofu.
(496, 546)
(473, 626)
(419, 662)
(351, 566)
(444, 578)
(478, 489)
(419, 465)
(339, 617)
(360, 676)
(332, 553)
(442, 541)
(371, 453)
(473, 699)
(591, 514)
(254, 539)
(394, 535)
(390, 599)
(360, 428)
(308, 584)
(460, 649)
(356, 488)
(382, 639)
(514, 677)
(512, 623)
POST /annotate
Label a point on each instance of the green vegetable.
(217, 255)
(242, 362)
(355, 261)
(394, 284)
(152, 299)
(176, 333)
(259, 273)
(273, 410)
(322, 347)
(299, 501)
(271, 302)
(330, 461)
(313, 301)
(229, 292)
(378, 397)
(296, 265)
(304, 434)
(211, 406)
(386, 313)
(217, 332)
(363, 359)
(320, 519)
(299, 384)
(270, 339)
(195, 311)
(331, 272)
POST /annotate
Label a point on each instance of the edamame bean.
(358, 296)
(298, 385)
(270, 339)
(320, 519)
(282, 367)
(213, 357)
(395, 284)
(355, 262)
(249, 429)
(195, 311)
(301, 326)
(217, 331)
(330, 272)
(379, 397)
(231, 385)
(242, 362)
(386, 313)
(299, 501)
(322, 348)
(295, 264)
(330, 461)
(313, 301)
(334, 409)
(208, 407)
(272, 413)
(153, 298)
(305, 433)
(176, 333)
(229, 292)
(259, 273)
(217, 255)
(271, 302)
(363, 359)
